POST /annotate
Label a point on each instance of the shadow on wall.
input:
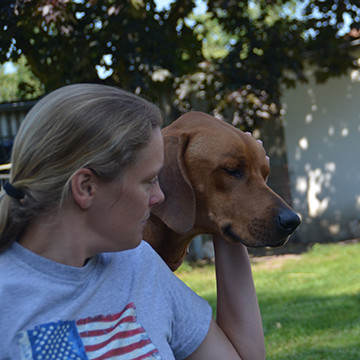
(322, 130)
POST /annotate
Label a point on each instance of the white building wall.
(322, 133)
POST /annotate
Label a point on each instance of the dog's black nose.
(288, 221)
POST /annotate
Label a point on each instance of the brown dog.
(214, 181)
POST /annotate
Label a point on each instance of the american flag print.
(117, 336)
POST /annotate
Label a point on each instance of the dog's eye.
(237, 173)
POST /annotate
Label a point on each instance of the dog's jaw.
(228, 232)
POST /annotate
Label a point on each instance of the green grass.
(310, 303)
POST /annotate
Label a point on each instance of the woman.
(76, 280)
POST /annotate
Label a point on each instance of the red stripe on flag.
(121, 335)
(89, 333)
(105, 318)
(125, 350)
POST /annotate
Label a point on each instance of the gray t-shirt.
(125, 305)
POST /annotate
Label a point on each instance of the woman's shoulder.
(7, 256)
(143, 250)
(143, 257)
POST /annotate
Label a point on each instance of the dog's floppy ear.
(177, 211)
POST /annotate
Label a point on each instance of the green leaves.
(233, 61)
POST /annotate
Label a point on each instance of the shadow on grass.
(305, 327)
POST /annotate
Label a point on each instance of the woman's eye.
(154, 180)
(237, 173)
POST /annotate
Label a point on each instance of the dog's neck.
(174, 249)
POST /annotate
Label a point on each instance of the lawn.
(310, 303)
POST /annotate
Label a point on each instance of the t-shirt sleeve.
(192, 317)
(191, 314)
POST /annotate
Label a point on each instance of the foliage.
(309, 302)
(233, 62)
(64, 41)
(20, 84)
(272, 46)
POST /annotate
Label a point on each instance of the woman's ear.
(83, 187)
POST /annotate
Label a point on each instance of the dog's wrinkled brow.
(234, 155)
(233, 158)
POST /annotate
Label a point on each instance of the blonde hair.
(77, 126)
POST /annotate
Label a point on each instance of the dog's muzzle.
(264, 233)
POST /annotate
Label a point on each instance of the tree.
(20, 84)
(167, 54)
(272, 44)
(64, 41)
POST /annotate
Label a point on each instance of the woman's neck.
(59, 239)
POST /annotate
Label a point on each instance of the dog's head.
(214, 181)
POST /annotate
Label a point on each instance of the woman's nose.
(157, 197)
